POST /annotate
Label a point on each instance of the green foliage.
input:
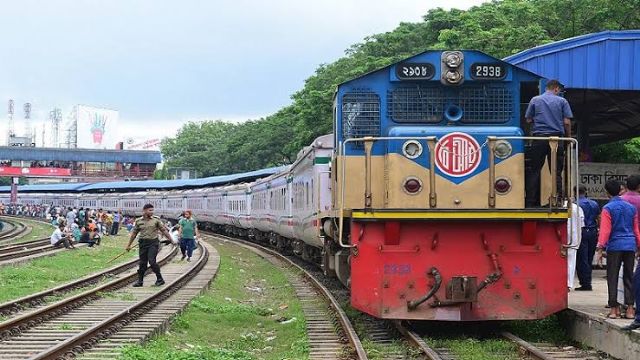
(6, 181)
(499, 28)
(626, 151)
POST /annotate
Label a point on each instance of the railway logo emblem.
(457, 154)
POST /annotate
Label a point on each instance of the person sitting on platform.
(60, 237)
(620, 235)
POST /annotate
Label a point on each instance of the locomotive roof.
(430, 51)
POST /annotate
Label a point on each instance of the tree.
(498, 28)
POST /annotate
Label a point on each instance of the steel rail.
(87, 338)
(39, 298)
(350, 332)
(528, 348)
(416, 340)
(13, 248)
(18, 230)
(16, 325)
(20, 253)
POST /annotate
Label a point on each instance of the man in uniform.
(147, 227)
(589, 238)
(550, 115)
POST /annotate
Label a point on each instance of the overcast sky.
(161, 63)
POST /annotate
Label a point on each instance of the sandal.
(630, 313)
(613, 316)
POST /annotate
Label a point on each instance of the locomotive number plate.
(484, 71)
(415, 71)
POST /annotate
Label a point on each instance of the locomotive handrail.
(571, 162)
(342, 148)
(431, 140)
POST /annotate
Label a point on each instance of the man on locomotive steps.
(551, 116)
(147, 227)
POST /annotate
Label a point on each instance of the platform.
(587, 323)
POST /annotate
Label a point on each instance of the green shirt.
(188, 228)
(147, 229)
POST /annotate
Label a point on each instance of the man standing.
(71, 217)
(551, 116)
(187, 232)
(589, 239)
(149, 244)
(117, 217)
(574, 230)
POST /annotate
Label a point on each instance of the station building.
(601, 75)
(79, 165)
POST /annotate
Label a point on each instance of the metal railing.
(571, 167)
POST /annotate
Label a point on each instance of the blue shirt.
(591, 211)
(622, 236)
(548, 112)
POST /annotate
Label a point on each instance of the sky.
(162, 63)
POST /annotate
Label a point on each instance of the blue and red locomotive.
(416, 201)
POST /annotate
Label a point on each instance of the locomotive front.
(428, 194)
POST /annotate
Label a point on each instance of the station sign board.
(34, 172)
(595, 175)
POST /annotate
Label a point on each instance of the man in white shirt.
(59, 237)
(574, 233)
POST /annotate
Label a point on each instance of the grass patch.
(39, 230)
(240, 317)
(548, 330)
(469, 348)
(47, 272)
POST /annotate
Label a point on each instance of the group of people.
(617, 233)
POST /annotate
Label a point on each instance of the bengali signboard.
(138, 143)
(29, 171)
(96, 128)
(595, 175)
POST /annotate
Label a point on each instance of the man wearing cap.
(148, 227)
(550, 115)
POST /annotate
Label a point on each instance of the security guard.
(147, 227)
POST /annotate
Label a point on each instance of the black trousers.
(585, 256)
(616, 259)
(148, 251)
(535, 156)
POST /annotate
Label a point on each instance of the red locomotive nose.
(412, 186)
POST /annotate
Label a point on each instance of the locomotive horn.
(453, 112)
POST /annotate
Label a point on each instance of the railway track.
(331, 334)
(18, 229)
(395, 336)
(96, 323)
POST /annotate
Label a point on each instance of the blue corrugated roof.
(148, 184)
(176, 184)
(608, 60)
(90, 155)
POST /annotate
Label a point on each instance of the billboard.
(140, 143)
(30, 171)
(96, 128)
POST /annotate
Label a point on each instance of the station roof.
(19, 153)
(601, 73)
(608, 60)
(127, 186)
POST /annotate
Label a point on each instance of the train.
(415, 202)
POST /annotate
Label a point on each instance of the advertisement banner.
(97, 128)
(595, 175)
(29, 171)
(139, 143)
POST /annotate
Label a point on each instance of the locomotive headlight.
(453, 59)
(412, 149)
(453, 77)
(412, 185)
(502, 186)
(503, 149)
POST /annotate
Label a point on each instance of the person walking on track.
(148, 227)
(187, 232)
(589, 239)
